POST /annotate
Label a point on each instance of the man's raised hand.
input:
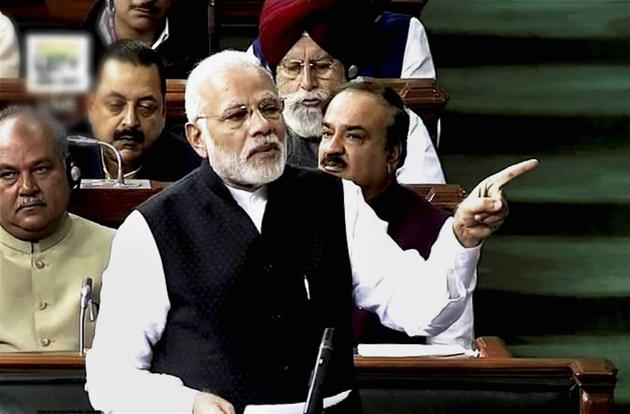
(485, 209)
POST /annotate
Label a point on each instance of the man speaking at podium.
(219, 288)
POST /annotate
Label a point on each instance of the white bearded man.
(244, 262)
(313, 50)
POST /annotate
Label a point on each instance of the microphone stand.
(81, 140)
(86, 297)
(314, 400)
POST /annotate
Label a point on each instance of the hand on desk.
(206, 403)
(485, 209)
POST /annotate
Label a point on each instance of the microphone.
(86, 297)
(314, 401)
(81, 140)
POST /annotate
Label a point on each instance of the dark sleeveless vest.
(241, 324)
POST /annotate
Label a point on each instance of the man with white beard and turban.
(314, 47)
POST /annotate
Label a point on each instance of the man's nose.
(131, 118)
(308, 80)
(28, 184)
(334, 145)
(258, 124)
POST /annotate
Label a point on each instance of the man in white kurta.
(235, 122)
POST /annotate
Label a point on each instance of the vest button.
(44, 341)
(39, 264)
(43, 305)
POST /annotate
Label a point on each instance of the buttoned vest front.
(248, 309)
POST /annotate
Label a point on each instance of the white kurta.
(408, 293)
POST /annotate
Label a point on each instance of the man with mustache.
(244, 262)
(163, 25)
(45, 252)
(126, 108)
(363, 140)
(312, 48)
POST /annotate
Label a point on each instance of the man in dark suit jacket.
(126, 108)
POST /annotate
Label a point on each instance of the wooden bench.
(52, 13)
(493, 383)
(110, 207)
(424, 96)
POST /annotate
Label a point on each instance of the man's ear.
(195, 138)
(393, 157)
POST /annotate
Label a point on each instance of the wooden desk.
(111, 206)
(52, 13)
(394, 385)
(495, 379)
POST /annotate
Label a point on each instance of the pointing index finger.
(503, 177)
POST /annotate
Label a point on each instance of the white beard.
(305, 121)
(239, 170)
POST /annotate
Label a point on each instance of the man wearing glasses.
(219, 288)
(313, 47)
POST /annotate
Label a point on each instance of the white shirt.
(422, 165)
(9, 49)
(421, 298)
(417, 60)
(108, 33)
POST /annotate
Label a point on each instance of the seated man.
(159, 24)
(394, 45)
(313, 51)
(244, 262)
(45, 253)
(363, 140)
(126, 108)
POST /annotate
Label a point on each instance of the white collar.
(252, 202)
(108, 33)
(245, 197)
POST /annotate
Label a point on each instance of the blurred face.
(306, 77)
(353, 141)
(240, 129)
(142, 15)
(127, 110)
(34, 192)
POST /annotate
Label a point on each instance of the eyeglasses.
(235, 116)
(322, 69)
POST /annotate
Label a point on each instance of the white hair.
(212, 66)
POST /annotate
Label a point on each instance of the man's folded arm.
(407, 293)
(134, 308)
